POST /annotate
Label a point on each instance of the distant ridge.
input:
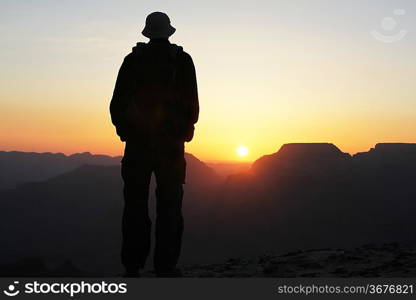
(85, 155)
(390, 149)
(17, 167)
(312, 156)
(321, 154)
(311, 149)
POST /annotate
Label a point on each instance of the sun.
(242, 151)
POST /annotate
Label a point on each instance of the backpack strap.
(175, 50)
(139, 48)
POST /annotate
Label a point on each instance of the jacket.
(143, 93)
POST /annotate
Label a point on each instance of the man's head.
(158, 26)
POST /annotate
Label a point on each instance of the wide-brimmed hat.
(158, 26)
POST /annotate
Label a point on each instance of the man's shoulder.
(184, 56)
(138, 49)
(130, 58)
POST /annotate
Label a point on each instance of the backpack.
(156, 108)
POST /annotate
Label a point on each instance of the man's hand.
(122, 133)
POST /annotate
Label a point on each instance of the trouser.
(168, 164)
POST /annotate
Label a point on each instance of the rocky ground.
(386, 260)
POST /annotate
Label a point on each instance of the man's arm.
(190, 90)
(123, 90)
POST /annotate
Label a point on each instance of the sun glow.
(242, 151)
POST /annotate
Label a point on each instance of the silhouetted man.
(154, 109)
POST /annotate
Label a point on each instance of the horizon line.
(212, 161)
